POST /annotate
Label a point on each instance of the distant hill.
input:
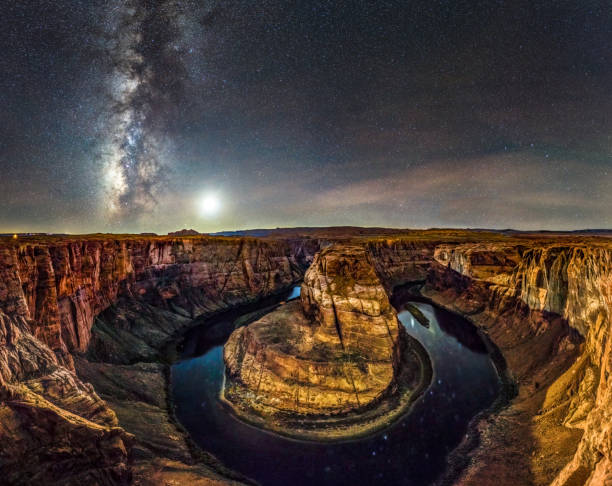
(185, 232)
(330, 231)
(353, 231)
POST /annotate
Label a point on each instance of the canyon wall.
(545, 304)
(60, 288)
(51, 293)
(531, 299)
(401, 260)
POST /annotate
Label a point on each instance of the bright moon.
(210, 205)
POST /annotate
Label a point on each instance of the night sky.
(157, 115)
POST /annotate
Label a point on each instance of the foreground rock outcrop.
(339, 349)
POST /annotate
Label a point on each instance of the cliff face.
(61, 288)
(545, 304)
(333, 352)
(50, 296)
(399, 260)
(530, 299)
(50, 421)
(346, 298)
(576, 282)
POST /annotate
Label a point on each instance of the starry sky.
(146, 115)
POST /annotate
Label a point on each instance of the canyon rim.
(89, 322)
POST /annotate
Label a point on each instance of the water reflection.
(452, 325)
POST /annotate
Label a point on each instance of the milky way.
(125, 115)
(143, 45)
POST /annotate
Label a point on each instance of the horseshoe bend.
(91, 325)
(340, 349)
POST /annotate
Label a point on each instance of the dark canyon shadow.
(215, 331)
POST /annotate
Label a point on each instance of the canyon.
(88, 327)
(307, 368)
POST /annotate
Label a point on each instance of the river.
(412, 451)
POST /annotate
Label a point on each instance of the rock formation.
(184, 232)
(100, 309)
(538, 301)
(336, 350)
(120, 300)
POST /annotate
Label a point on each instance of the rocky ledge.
(332, 365)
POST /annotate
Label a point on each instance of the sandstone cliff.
(531, 299)
(344, 295)
(55, 428)
(401, 260)
(334, 351)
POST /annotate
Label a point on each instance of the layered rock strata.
(54, 428)
(547, 306)
(337, 350)
(60, 287)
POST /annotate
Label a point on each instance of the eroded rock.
(338, 349)
(54, 427)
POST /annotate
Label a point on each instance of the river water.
(412, 451)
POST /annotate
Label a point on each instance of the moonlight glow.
(209, 205)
